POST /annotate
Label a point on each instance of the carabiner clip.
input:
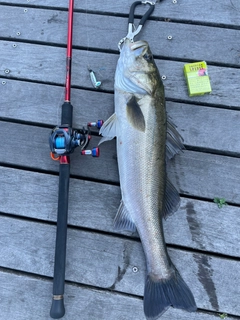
(132, 30)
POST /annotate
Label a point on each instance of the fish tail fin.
(161, 294)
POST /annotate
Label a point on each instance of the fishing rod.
(62, 141)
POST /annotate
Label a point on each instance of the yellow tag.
(197, 78)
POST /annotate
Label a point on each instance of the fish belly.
(141, 162)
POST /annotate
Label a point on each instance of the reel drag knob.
(97, 124)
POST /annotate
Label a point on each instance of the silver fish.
(146, 139)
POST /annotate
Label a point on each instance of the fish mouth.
(138, 44)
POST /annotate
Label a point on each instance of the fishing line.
(96, 84)
(59, 104)
(87, 33)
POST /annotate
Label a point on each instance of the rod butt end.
(57, 309)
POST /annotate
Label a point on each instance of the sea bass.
(146, 139)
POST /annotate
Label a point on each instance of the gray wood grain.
(206, 127)
(206, 174)
(100, 259)
(225, 11)
(47, 64)
(194, 173)
(107, 262)
(188, 41)
(197, 224)
(19, 292)
(220, 130)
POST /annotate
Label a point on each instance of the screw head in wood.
(135, 269)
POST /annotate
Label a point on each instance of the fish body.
(145, 140)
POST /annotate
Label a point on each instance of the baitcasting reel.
(63, 140)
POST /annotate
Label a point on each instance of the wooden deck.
(203, 240)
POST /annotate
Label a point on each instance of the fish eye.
(148, 57)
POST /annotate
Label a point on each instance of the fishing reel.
(63, 140)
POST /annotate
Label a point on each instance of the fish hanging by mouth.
(146, 140)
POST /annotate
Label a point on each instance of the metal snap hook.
(132, 29)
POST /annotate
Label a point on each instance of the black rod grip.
(57, 310)
(67, 113)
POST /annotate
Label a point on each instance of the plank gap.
(213, 151)
(209, 200)
(214, 313)
(115, 51)
(133, 237)
(56, 173)
(201, 252)
(203, 104)
(28, 5)
(124, 15)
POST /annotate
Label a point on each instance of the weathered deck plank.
(51, 25)
(32, 93)
(226, 12)
(51, 70)
(20, 292)
(205, 227)
(194, 173)
(189, 118)
(207, 276)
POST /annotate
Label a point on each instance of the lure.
(96, 84)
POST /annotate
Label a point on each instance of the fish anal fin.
(135, 115)
(123, 219)
(171, 200)
(159, 295)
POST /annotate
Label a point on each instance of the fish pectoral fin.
(123, 220)
(160, 294)
(135, 115)
(109, 129)
(172, 200)
(174, 141)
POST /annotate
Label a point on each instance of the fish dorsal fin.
(123, 220)
(109, 129)
(174, 142)
(135, 115)
(172, 200)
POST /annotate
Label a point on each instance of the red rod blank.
(69, 52)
